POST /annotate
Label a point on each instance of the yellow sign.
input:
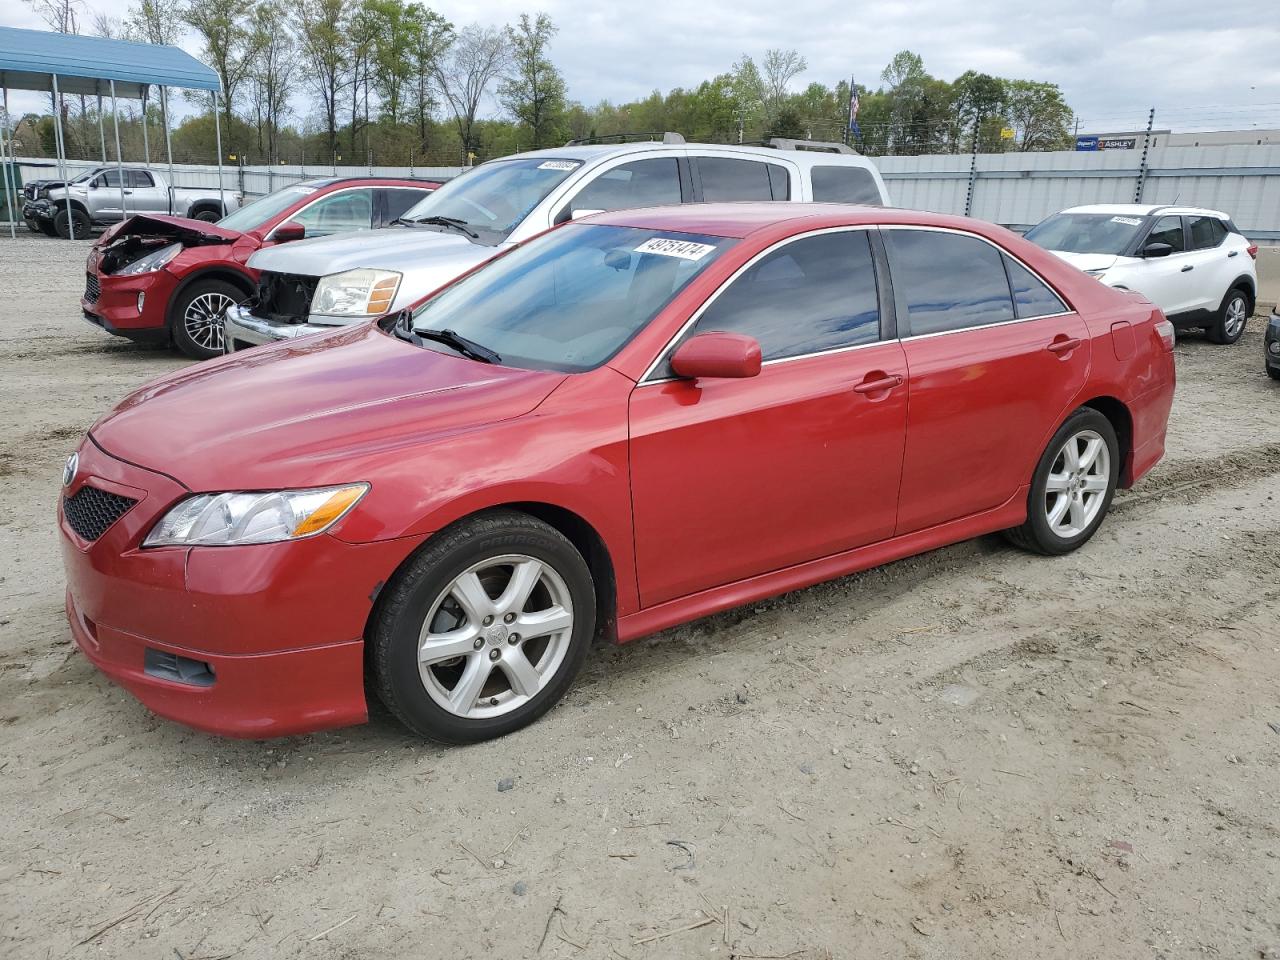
(1006, 133)
(231, 156)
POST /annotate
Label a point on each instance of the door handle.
(128, 193)
(880, 384)
(1066, 345)
(1187, 268)
(1233, 253)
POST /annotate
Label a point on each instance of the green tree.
(534, 93)
(431, 38)
(1039, 115)
(228, 45)
(322, 26)
(271, 76)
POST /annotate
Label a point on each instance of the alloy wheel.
(1235, 317)
(495, 636)
(1078, 484)
(203, 319)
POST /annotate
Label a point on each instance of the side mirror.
(585, 212)
(717, 354)
(1157, 250)
(289, 230)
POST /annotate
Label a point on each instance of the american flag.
(853, 109)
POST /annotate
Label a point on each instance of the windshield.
(493, 198)
(570, 299)
(1087, 232)
(255, 214)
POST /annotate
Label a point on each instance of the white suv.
(311, 285)
(1191, 263)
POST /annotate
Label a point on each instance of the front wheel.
(77, 226)
(484, 630)
(1233, 315)
(1072, 487)
(195, 319)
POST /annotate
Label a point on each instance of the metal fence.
(1015, 189)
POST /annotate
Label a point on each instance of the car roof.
(740, 220)
(1146, 210)
(373, 181)
(600, 151)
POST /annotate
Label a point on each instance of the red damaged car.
(169, 279)
(628, 422)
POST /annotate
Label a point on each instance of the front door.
(1170, 282)
(735, 478)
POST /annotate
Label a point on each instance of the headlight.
(232, 519)
(356, 293)
(152, 261)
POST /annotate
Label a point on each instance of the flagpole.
(853, 100)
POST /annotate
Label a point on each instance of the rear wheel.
(484, 630)
(1072, 487)
(195, 319)
(208, 216)
(77, 224)
(1273, 373)
(1233, 315)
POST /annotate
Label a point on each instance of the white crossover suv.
(1191, 263)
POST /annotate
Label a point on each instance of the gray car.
(314, 285)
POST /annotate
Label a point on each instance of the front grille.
(285, 297)
(91, 288)
(91, 511)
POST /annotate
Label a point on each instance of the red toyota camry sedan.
(631, 421)
(162, 279)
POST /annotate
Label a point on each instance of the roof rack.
(665, 137)
(818, 146)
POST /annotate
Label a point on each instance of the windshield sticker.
(1131, 221)
(557, 165)
(684, 249)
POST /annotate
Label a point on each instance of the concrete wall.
(1268, 277)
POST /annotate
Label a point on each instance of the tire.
(1273, 372)
(195, 317)
(509, 683)
(46, 227)
(79, 220)
(1233, 317)
(207, 216)
(1085, 508)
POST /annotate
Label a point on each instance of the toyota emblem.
(69, 469)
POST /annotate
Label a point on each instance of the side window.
(816, 293)
(1168, 230)
(1031, 298)
(338, 213)
(642, 183)
(138, 178)
(399, 202)
(845, 184)
(110, 179)
(1206, 232)
(779, 182)
(948, 281)
(724, 178)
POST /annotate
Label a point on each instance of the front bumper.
(242, 330)
(1271, 341)
(110, 301)
(277, 628)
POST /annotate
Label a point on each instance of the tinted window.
(727, 179)
(817, 293)
(1031, 297)
(948, 281)
(1087, 232)
(1168, 230)
(338, 213)
(138, 178)
(109, 179)
(642, 183)
(1206, 232)
(779, 182)
(845, 185)
(399, 201)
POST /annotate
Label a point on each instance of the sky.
(1202, 65)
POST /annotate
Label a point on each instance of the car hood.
(191, 232)
(312, 411)
(1087, 261)
(392, 248)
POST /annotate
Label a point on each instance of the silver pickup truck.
(313, 285)
(99, 197)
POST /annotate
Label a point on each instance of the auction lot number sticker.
(684, 249)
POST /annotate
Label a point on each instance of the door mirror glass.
(1157, 250)
(289, 230)
(717, 354)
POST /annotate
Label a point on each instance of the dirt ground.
(969, 754)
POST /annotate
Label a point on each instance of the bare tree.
(478, 56)
(271, 76)
(60, 15)
(780, 68)
(230, 47)
(431, 39)
(323, 45)
(112, 28)
(155, 21)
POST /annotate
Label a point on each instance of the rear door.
(995, 360)
(1216, 263)
(724, 178)
(143, 194)
(734, 478)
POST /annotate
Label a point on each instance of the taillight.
(1252, 250)
(1165, 331)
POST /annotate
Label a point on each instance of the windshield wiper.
(442, 222)
(468, 348)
